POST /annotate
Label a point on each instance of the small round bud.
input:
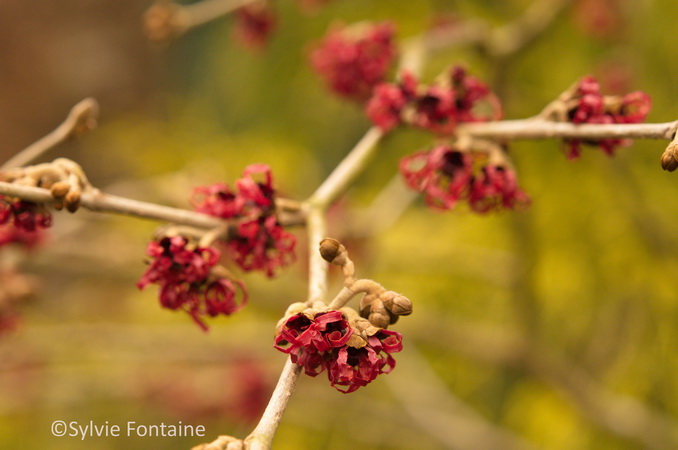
(72, 201)
(377, 314)
(399, 305)
(380, 319)
(365, 304)
(669, 160)
(332, 251)
(59, 189)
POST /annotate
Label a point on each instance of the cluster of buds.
(448, 174)
(64, 178)
(584, 103)
(353, 348)
(455, 97)
(353, 60)
(258, 242)
(190, 279)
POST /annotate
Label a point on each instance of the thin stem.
(80, 119)
(197, 14)
(98, 201)
(262, 436)
(347, 170)
(516, 35)
(341, 298)
(318, 267)
(544, 129)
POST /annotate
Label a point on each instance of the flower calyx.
(669, 159)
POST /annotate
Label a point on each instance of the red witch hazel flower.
(24, 215)
(325, 340)
(454, 98)
(190, 280)
(447, 175)
(10, 234)
(259, 241)
(254, 24)
(584, 103)
(356, 367)
(353, 60)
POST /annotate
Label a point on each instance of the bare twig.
(317, 277)
(347, 170)
(514, 36)
(81, 119)
(98, 201)
(498, 42)
(165, 20)
(544, 129)
(262, 436)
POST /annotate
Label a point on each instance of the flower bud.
(60, 189)
(669, 158)
(398, 304)
(377, 314)
(72, 201)
(333, 251)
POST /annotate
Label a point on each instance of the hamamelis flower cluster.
(188, 273)
(353, 348)
(352, 60)
(189, 280)
(259, 242)
(454, 98)
(584, 103)
(447, 175)
(24, 215)
(348, 347)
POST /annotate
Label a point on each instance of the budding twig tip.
(333, 251)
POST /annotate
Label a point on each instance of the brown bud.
(84, 115)
(60, 189)
(377, 314)
(669, 158)
(332, 251)
(399, 305)
(161, 22)
(72, 201)
(394, 318)
(365, 303)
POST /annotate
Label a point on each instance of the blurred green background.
(553, 327)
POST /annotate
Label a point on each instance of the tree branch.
(166, 20)
(98, 201)
(347, 170)
(262, 436)
(535, 128)
(81, 119)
